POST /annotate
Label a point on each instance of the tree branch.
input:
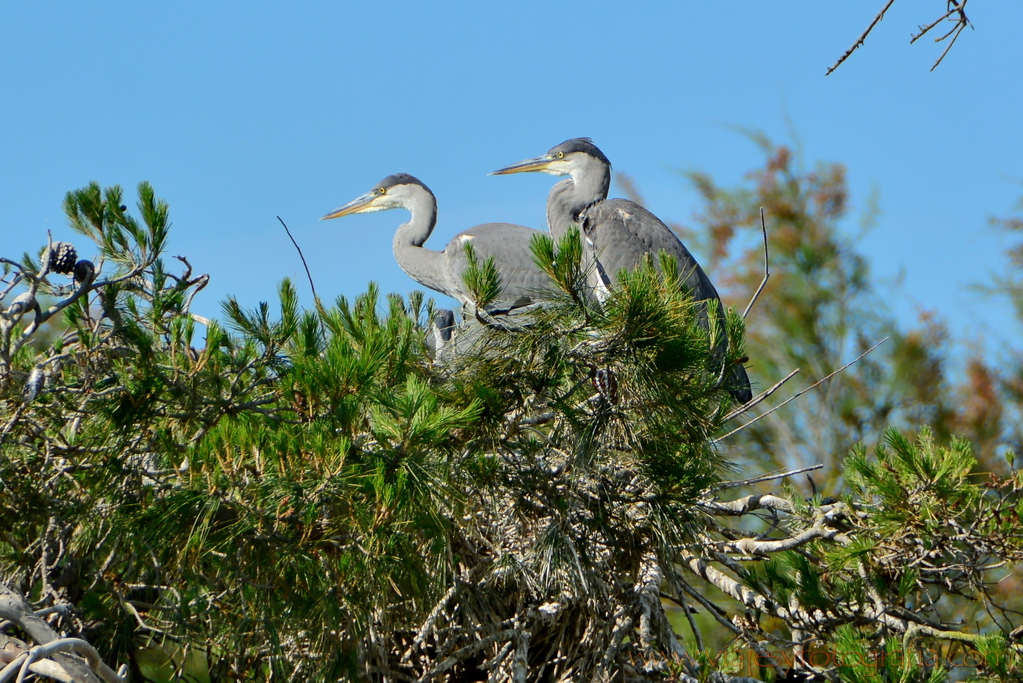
(863, 37)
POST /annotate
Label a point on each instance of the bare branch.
(15, 609)
(800, 393)
(961, 22)
(766, 477)
(954, 7)
(751, 546)
(75, 645)
(301, 256)
(761, 397)
(863, 37)
(743, 506)
(926, 29)
(957, 30)
(427, 627)
(44, 667)
(767, 267)
(84, 288)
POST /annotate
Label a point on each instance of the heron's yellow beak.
(539, 164)
(357, 205)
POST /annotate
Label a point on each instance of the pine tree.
(309, 495)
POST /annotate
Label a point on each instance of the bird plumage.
(619, 234)
(441, 271)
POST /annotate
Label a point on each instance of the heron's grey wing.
(622, 233)
(521, 279)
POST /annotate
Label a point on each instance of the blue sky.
(239, 112)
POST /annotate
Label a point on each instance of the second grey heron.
(441, 271)
(442, 328)
(618, 234)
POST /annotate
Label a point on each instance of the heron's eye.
(381, 190)
(561, 155)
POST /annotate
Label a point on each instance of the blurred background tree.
(1007, 372)
(821, 309)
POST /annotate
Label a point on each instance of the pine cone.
(62, 257)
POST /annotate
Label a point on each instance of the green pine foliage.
(313, 494)
(481, 279)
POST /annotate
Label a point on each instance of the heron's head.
(393, 192)
(571, 157)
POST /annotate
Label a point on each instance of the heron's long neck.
(588, 185)
(425, 266)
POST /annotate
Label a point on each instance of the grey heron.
(618, 233)
(441, 271)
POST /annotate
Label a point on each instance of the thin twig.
(954, 7)
(863, 37)
(301, 256)
(800, 393)
(958, 29)
(18, 277)
(767, 267)
(681, 602)
(14, 420)
(198, 284)
(761, 397)
(427, 628)
(709, 606)
(961, 23)
(766, 477)
(487, 319)
(924, 30)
